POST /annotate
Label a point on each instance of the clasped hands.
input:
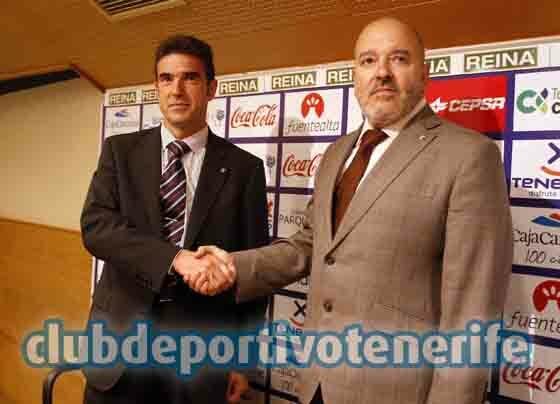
(208, 270)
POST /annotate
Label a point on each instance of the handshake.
(208, 271)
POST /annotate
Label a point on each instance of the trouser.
(151, 385)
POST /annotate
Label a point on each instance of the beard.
(382, 110)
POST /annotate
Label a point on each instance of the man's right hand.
(220, 276)
(204, 273)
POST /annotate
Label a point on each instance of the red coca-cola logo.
(301, 168)
(541, 379)
(312, 101)
(264, 115)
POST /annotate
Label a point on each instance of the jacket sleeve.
(476, 264)
(109, 235)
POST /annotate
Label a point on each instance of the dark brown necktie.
(353, 174)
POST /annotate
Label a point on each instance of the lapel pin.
(422, 137)
(223, 170)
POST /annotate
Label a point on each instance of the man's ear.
(426, 73)
(212, 87)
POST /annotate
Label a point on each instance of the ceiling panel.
(246, 35)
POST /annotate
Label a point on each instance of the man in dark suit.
(156, 196)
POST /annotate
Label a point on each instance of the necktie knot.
(371, 138)
(177, 149)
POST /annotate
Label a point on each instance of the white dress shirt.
(192, 162)
(391, 131)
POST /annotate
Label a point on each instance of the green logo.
(530, 101)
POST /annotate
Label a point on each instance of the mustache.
(383, 87)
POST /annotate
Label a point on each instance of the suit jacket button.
(327, 305)
(330, 260)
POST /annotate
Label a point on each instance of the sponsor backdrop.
(288, 118)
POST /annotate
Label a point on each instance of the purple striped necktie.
(173, 192)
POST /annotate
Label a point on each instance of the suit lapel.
(331, 168)
(212, 177)
(146, 159)
(408, 144)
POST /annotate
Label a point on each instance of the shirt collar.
(197, 141)
(393, 130)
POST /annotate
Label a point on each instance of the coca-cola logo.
(537, 378)
(312, 101)
(263, 115)
(301, 168)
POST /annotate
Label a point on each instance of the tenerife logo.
(529, 101)
(312, 101)
(544, 180)
(556, 156)
(551, 221)
(469, 104)
(123, 113)
(298, 316)
(545, 293)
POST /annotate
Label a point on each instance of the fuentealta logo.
(530, 101)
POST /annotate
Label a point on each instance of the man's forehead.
(387, 34)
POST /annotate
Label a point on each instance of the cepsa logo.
(478, 103)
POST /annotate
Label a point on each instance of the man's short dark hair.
(186, 45)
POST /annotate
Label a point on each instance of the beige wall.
(49, 139)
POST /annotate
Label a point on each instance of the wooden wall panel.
(246, 35)
(44, 273)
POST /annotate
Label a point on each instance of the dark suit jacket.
(121, 224)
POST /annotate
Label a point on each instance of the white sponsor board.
(532, 306)
(291, 213)
(313, 113)
(536, 237)
(500, 145)
(268, 153)
(120, 120)
(537, 101)
(291, 312)
(300, 162)
(539, 383)
(151, 116)
(535, 169)
(216, 116)
(254, 116)
(355, 117)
